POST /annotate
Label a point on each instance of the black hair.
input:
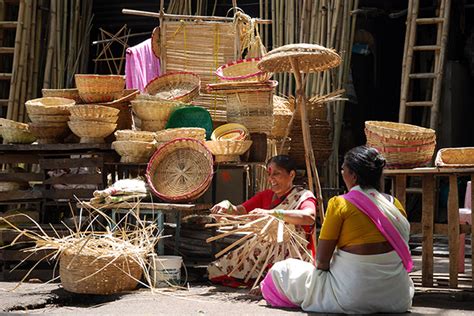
(283, 161)
(367, 164)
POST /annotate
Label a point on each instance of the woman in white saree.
(363, 257)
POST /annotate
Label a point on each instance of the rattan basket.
(42, 118)
(183, 132)
(93, 112)
(13, 124)
(99, 88)
(461, 157)
(92, 133)
(140, 136)
(72, 94)
(87, 274)
(242, 70)
(105, 119)
(178, 86)
(46, 133)
(16, 135)
(49, 106)
(228, 150)
(230, 131)
(134, 151)
(399, 132)
(153, 126)
(282, 113)
(157, 110)
(180, 170)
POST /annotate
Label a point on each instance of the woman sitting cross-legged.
(363, 258)
(290, 203)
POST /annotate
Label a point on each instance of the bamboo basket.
(169, 134)
(178, 86)
(134, 151)
(49, 106)
(48, 133)
(153, 126)
(72, 94)
(242, 70)
(282, 113)
(157, 110)
(13, 124)
(93, 112)
(139, 136)
(230, 131)
(104, 119)
(99, 88)
(87, 274)
(461, 157)
(180, 170)
(400, 132)
(125, 120)
(91, 133)
(42, 118)
(16, 135)
(228, 150)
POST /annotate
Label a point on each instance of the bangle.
(278, 214)
(230, 208)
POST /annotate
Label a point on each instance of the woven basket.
(242, 70)
(72, 94)
(16, 135)
(134, 151)
(282, 113)
(158, 110)
(93, 111)
(91, 133)
(88, 83)
(400, 132)
(180, 170)
(230, 131)
(461, 157)
(46, 133)
(228, 150)
(49, 106)
(169, 134)
(139, 136)
(41, 118)
(79, 273)
(308, 57)
(153, 126)
(105, 119)
(178, 86)
(13, 124)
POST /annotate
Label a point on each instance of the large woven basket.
(92, 133)
(16, 135)
(242, 70)
(461, 157)
(87, 274)
(49, 106)
(134, 151)
(48, 133)
(228, 150)
(180, 170)
(72, 94)
(89, 83)
(182, 132)
(140, 136)
(402, 145)
(154, 110)
(179, 86)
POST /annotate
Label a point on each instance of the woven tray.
(134, 151)
(140, 136)
(308, 57)
(180, 170)
(461, 157)
(16, 135)
(49, 106)
(91, 133)
(183, 132)
(242, 70)
(72, 94)
(179, 86)
(79, 273)
(228, 150)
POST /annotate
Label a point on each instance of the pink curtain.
(141, 65)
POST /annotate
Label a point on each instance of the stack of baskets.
(99, 88)
(402, 145)
(15, 133)
(134, 146)
(153, 111)
(49, 118)
(92, 123)
(123, 105)
(72, 94)
(178, 86)
(170, 134)
(228, 142)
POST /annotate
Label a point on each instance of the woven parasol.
(303, 58)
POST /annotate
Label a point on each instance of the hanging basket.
(178, 86)
(180, 170)
(243, 70)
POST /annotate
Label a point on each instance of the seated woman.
(285, 201)
(363, 257)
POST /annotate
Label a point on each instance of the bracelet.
(279, 214)
(229, 209)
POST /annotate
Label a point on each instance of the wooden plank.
(28, 176)
(5, 76)
(400, 189)
(472, 233)
(8, 24)
(453, 231)
(7, 50)
(439, 229)
(71, 163)
(15, 158)
(55, 147)
(68, 194)
(75, 179)
(20, 195)
(427, 221)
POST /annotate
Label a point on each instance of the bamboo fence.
(51, 45)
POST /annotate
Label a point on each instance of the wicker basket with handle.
(180, 86)
(180, 170)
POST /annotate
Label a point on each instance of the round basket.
(180, 170)
(88, 83)
(153, 126)
(93, 112)
(179, 86)
(13, 124)
(42, 118)
(49, 106)
(399, 132)
(79, 273)
(157, 110)
(228, 150)
(105, 119)
(72, 94)
(460, 157)
(406, 157)
(230, 131)
(91, 133)
(139, 136)
(16, 135)
(242, 70)
(46, 133)
(134, 151)
(183, 132)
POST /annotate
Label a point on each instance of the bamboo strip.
(235, 243)
(31, 53)
(51, 40)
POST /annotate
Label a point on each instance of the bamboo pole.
(51, 40)
(27, 71)
(37, 56)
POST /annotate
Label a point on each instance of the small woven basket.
(134, 151)
(461, 157)
(16, 135)
(228, 150)
(178, 86)
(180, 170)
(87, 274)
(230, 131)
(72, 94)
(242, 70)
(13, 124)
(88, 83)
(154, 110)
(48, 133)
(182, 132)
(49, 106)
(91, 133)
(139, 136)
(41, 118)
(104, 119)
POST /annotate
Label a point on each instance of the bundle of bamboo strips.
(50, 47)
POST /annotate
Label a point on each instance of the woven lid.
(309, 58)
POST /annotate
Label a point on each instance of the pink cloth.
(366, 206)
(141, 66)
(272, 295)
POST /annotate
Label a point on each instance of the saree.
(224, 270)
(354, 283)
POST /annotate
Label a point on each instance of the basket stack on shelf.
(92, 122)
(72, 94)
(228, 142)
(123, 105)
(170, 134)
(402, 145)
(49, 118)
(15, 133)
(134, 146)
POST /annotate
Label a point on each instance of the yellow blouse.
(349, 226)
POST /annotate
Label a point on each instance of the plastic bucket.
(166, 270)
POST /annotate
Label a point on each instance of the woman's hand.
(261, 212)
(224, 207)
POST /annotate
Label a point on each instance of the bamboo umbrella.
(301, 59)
